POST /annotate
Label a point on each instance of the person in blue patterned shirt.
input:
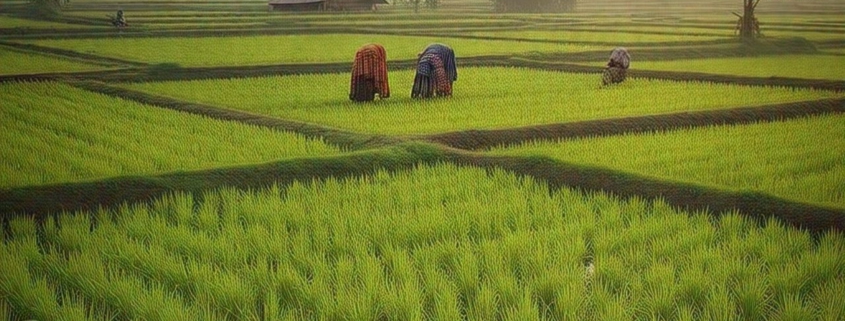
(436, 71)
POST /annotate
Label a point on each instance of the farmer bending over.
(617, 68)
(118, 20)
(369, 74)
(436, 71)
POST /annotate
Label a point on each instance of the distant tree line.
(534, 5)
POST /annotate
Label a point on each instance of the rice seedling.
(282, 49)
(68, 134)
(18, 63)
(484, 98)
(384, 246)
(780, 158)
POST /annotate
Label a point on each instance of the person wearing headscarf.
(369, 74)
(119, 20)
(436, 71)
(617, 68)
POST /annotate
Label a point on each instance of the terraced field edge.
(45, 201)
(350, 140)
(484, 139)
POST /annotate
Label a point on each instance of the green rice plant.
(383, 246)
(786, 159)
(790, 66)
(752, 297)
(791, 307)
(484, 98)
(19, 63)
(594, 36)
(5, 310)
(68, 134)
(826, 299)
(719, 306)
(283, 49)
(27, 297)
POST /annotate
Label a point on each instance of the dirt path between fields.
(485, 139)
(45, 201)
(93, 59)
(344, 139)
(110, 193)
(685, 196)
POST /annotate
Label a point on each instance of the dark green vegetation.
(205, 163)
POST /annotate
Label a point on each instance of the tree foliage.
(534, 5)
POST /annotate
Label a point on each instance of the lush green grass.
(483, 98)
(257, 50)
(591, 36)
(12, 22)
(52, 133)
(422, 244)
(794, 66)
(726, 32)
(798, 159)
(809, 35)
(15, 62)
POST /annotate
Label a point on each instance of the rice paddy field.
(782, 158)
(16, 63)
(69, 134)
(206, 163)
(796, 66)
(267, 50)
(596, 36)
(489, 98)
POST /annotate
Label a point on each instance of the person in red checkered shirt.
(369, 74)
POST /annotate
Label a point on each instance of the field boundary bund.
(167, 72)
(832, 85)
(45, 200)
(484, 139)
(49, 200)
(164, 72)
(686, 196)
(345, 139)
(70, 54)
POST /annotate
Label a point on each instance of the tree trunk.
(747, 30)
